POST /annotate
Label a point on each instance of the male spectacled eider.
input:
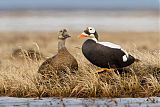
(104, 54)
(62, 61)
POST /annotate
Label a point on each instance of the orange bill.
(83, 35)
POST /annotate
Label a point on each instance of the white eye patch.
(91, 30)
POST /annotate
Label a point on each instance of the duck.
(60, 62)
(106, 55)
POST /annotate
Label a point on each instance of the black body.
(103, 56)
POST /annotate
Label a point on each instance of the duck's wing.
(46, 65)
(115, 46)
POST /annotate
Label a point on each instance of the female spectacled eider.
(104, 54)
(62, 61)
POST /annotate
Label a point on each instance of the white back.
(114, 46)
(108, 44)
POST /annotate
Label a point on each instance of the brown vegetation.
(29, 53)
(20, 78)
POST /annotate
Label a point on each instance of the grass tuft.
(19, 78)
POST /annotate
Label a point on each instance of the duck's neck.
(94, 39)
(61, 44)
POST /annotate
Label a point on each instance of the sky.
(79, 4)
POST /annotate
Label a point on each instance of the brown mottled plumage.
(62, 61)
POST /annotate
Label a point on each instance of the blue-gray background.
(79, 4)
(107, 15)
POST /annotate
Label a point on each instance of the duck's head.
(63, 34)
(89, 32)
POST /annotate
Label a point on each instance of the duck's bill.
(83, 35)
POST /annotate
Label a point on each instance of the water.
(78, 21)
(79, 102)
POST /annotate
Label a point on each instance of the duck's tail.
(137, 60)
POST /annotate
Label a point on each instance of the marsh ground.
(19, 77)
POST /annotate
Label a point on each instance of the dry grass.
(20, 78)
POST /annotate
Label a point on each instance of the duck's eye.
(90, 29)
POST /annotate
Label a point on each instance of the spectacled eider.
(62, 61)
(104, 54)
